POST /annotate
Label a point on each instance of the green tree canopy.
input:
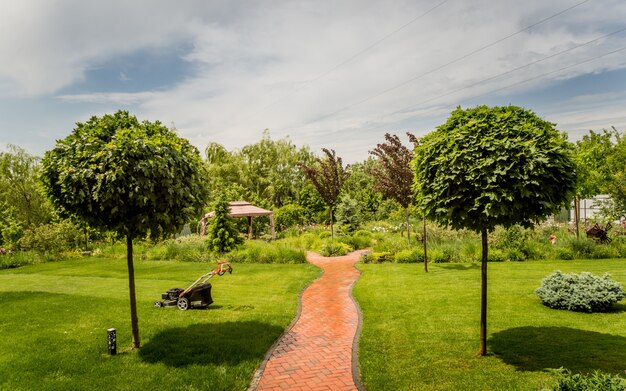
(616, 163)
(21, 203)
(119, 174)
(490, 166)
(592, 155)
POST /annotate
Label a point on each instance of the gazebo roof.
(244, 209)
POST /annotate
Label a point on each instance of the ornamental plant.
(596, 381)
(133, 178)
(491, 166)
(582, 292)
(223, 235)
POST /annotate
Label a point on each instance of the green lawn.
(420, 331)
(54, 319)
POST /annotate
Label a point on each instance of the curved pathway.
(316, 353)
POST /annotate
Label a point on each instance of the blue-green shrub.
(597, 381)
(582, 292)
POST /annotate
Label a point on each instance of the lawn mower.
(198, 295)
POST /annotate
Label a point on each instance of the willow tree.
(133, 178)
(328, 176)
(490, 166)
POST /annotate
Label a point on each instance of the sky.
(325, 73)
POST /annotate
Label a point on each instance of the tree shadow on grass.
(539, 348)
(210, 343)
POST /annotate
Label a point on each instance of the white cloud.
(264, 64)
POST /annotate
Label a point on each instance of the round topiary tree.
(490, 166)
(133, 178)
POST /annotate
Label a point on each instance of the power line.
(413, 106)
(351, 58)
(438, 68)
(551, 72)
(542, 75)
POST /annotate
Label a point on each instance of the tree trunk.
(408, 231)
(577, 215)
(134, 321)
(483, 296)
(425, 254)
(330, 213)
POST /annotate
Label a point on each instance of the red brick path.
(316, 353)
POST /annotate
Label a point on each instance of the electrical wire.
(540, 76)
(438, 68)
(483, 81)
(349, 59)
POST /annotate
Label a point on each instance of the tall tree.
(265, 173)
(19, 188)
(133, 178)
(617, 185)
(328, 176)
(490, 166)
(592, 154)
(394, 177)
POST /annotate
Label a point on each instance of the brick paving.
(316, 353)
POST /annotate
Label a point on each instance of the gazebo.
(242, 209)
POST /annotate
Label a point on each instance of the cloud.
(260, 65)
(121, 98)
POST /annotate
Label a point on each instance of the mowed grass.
(55, 316)
(421, 331)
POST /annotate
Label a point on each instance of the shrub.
(496, 255)
(17, 259)
(410, 256)
(222, 234)
(564, 253)
(334, 249)
(290, 215)
(582, 292)
(358, 240)
(255, 251)
(597, 381)
(470, 251)
(379, 257)
(603, 251)
(52, 238)
(515, 255)
(583, 247)
(349, 214)
(191, 248)
(437, 255)
(535, 250)
(324, 234)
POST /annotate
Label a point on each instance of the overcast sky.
(336, 74)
